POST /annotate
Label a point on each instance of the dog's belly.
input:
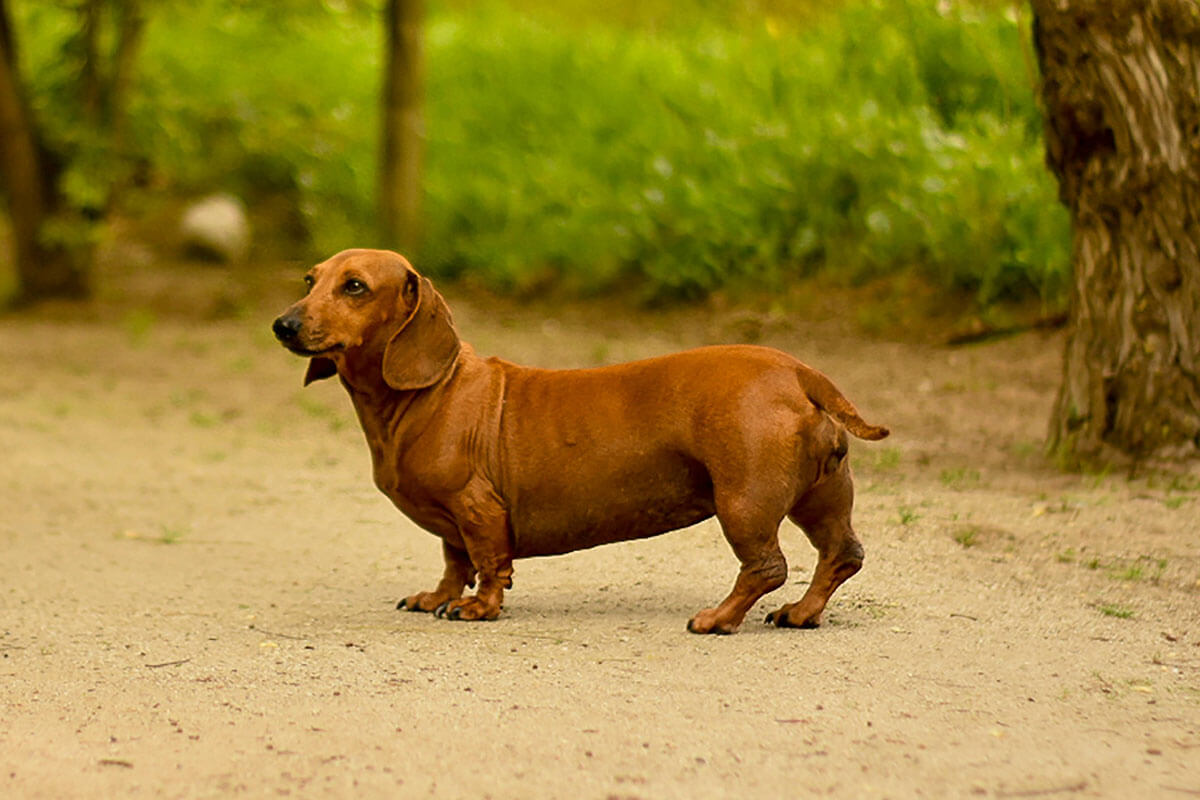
(560, 514)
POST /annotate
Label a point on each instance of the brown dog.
(503, 461)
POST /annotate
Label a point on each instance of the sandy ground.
(198, 582)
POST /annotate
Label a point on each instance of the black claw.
(690, 628)
(403, 604)
(455, 613)
(441, 610)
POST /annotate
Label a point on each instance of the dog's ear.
(319, 369)
(424, 348)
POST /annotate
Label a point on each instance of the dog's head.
(369, 310)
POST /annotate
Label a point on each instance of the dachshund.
(503, 461)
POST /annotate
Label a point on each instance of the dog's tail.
(825, 396)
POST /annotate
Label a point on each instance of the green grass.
(960, 478)
(203, 419)
(1026, 448)
(170, 534)
(1131, 572)
(680, 163)
(320, 411)
(167, 534)
(967, 537)
(887, 458)
(1180, 490)
(138, 325)
(1184, 483)
(626, 152)
(1141, 568)
(1116, 610)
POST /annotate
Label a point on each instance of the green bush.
(877, 137)
(886, 137)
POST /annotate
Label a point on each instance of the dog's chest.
(418, 503)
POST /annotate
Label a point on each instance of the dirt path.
(198, 590)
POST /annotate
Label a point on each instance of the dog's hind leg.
(823, 513)
(752, 529)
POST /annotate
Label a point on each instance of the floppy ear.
(425, 346)
(318, 369)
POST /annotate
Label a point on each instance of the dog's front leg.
(458, 575)
(483, 521)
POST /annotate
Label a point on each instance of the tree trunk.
(403, 127)
(1121, 88)
(105, 74)
(89, 76)
(45, 268)
(131, 23)
(109, 38)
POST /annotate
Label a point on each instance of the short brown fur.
(503, 461)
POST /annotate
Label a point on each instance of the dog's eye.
(354, 287)
(309, 280)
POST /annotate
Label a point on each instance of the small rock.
(216, 228)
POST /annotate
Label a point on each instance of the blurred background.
(669, 150)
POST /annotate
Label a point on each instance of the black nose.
(286, 328)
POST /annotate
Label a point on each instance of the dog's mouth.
(301, 350)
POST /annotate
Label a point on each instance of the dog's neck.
(386, 413)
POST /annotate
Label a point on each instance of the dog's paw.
(789, 617)
(707, 622)
(422, 601)
(468, 609)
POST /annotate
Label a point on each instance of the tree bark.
(45, 268)
(403, 133)
(1121, 89)
(19, 159)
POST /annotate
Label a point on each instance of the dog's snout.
(286, 328)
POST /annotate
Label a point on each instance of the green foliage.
(55, 60)
(885, 137)
(260, 102)
(720, 149)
